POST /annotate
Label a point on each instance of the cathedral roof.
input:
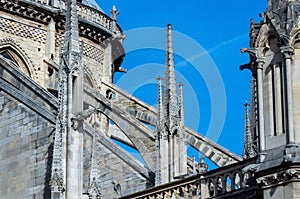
(92, 4)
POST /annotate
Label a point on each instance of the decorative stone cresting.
(279, 177)
(22, 30)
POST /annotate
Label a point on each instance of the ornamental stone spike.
(68, 140)
(114, 12)
(248, 140)
(71, 41)
(160, 111)
(180, 101)
(171, 143)
(159, 132)
(170, 96)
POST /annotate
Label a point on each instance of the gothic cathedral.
(60, 112)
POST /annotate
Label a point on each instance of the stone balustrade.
(87, 13)
(212, 184)
(95, 16)
(186, 188)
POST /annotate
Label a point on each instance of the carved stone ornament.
(114, 12)
(287, 51)
(75, 124)
(25, 11)
(278, 178)
(94, 190)
(57, 182)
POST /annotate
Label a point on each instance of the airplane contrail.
(211, 50)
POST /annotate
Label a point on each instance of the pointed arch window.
(16, 59)
(8, 55)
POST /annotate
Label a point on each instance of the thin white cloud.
(213, 49)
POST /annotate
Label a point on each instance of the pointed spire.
(253, 116)
(94, 163)
(159, 131)
(248, 140)
(94, 181)
(246, 130)
(57, 182)
(71, 40)
(171, 143)
(180, 101)
(170, 82)
(203, 167)
(160, 113)
(70, 101)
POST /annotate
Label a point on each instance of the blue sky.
(219, 29)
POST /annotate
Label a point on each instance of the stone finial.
(249, 149)
(114, 12)
(194, 165)
(170, 82)
(203, 167)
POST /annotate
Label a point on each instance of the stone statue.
(114, 13)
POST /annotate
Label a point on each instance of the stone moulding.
(93, 24)
(29, 11)
(280, 177)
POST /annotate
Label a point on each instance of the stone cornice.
(279, 177)
(93, 24)
(34, 12)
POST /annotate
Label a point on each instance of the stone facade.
(60, 112)
(31, 45)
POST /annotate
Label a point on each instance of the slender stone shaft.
(262, 144)
(288, 52)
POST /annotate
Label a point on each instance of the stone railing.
(187, 188)
(96, 16)
(229, 180)
(87, 13)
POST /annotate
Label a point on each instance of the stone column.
(54, 3)
(50, 40)
(258, 68)
(288, 53)
(204, 188)
(171, 158)
(165, 173)
(260, 64)
(278, 99)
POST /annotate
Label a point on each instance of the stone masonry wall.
(114, 170)
(29, 38)
(25, 143)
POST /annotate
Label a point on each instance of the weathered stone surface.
(23, 164)
(32, 33)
